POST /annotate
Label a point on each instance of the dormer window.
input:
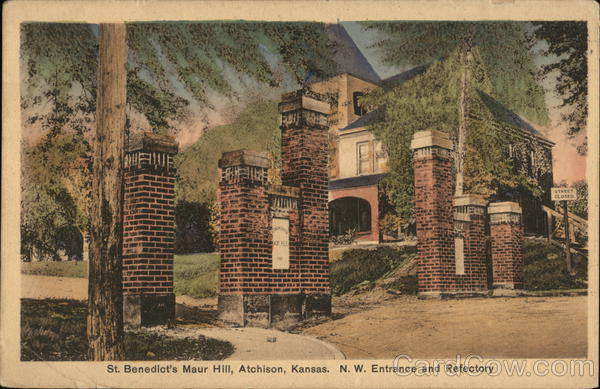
(358, 108)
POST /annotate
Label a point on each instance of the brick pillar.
(506, 234)
(149, 230)
(433, 180)
(469, 244)
(305, 154)
(244, 239)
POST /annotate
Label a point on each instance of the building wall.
(348, 154)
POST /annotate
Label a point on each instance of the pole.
(567, 237)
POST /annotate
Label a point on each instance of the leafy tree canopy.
(171, 65)
(430, 101)
(567, 44)
(504, 49)
(256, 127)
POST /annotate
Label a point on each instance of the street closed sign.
(562, 194)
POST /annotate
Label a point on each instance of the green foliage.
(359, 267)
(193, 229)
(55, 330)
(55, 185)
(545, 268)
(430, 101)
(77, 269)
(196, 275)
(172, 65)
(567, 46)
(580, 206)
(255, 128)
(344, 239)
(405, 285)
(503, 46)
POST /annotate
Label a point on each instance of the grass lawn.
(194, 275)
(77, 269)
(54, 330)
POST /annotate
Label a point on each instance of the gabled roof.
(504, 115)
(348, 56)
(368, 118)
(500, 113)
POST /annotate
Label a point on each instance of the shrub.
(343, 239)
(545, 268)
(193, 230)
(405, 285)
(360, 266)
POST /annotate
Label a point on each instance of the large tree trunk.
(105, 297)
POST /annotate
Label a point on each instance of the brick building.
(358, 161)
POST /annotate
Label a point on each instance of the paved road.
(262, 344)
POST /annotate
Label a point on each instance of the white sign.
(281, 243)
(560, 194)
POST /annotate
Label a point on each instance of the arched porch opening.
(349, 213)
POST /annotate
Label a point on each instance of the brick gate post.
(305, 156)
(433, 180)
(506, 234)
(470, 244)
(245, 241)
(149, 230)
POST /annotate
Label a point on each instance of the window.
(362, 150)
(511, 150)
(380, 157)
(358, 108)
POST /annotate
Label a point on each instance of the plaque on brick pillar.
(149, 230)
(281, 243)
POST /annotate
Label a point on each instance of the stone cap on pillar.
(470, 200)
(148, 141)
(304, 99)
(244, 157)
(431, 138)
(504, 207)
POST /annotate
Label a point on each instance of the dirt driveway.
(377, 325)
(524, 327)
